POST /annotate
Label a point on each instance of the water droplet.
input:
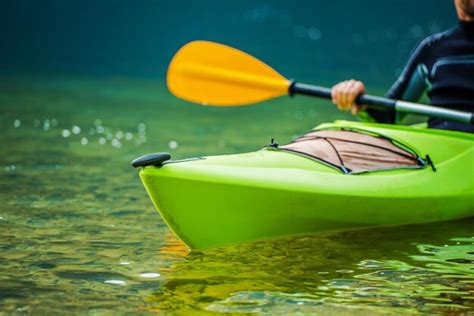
(17, 123)
(115, 282)
(100, 129)
(372, 35)
(128, 136)
(116, 143)
(173, 144)
(46, 125)
(119, 135)
(84, 141)
(141, 127)
(357, 39)
(66, 133)
(416, 31)
(75, 129)
(102, 140)
(141, 139)
(10, 168)
(91, 131)
(150, 275)
(314, 33)
(299, 31)
(97, 122)
(54, 122)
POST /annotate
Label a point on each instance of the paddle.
(215, 74)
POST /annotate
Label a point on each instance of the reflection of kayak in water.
(273, 276)
(345, 176)
(173, 248)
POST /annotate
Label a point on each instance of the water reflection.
(386, 271)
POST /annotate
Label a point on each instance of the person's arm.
(345, 93)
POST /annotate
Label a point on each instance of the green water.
(78, 233)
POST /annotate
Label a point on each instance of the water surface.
(78, 233)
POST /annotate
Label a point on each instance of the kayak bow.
(231, 199)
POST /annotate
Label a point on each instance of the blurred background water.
(82, 93)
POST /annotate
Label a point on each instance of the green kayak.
(340, 176)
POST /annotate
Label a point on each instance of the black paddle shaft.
(386, 103)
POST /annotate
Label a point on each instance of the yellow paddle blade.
(215, 74)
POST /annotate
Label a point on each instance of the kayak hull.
(222, 200)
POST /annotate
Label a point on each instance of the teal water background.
(82, 93)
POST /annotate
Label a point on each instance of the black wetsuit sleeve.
(398, 88)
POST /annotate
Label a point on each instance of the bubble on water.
(66, 133)
(345, 271)
(434, 28)
(91, 131)
(54, 122)
(357, 39)
(119, 135)
(115, 282)
(100, 129)
(141, 127)
(10, 168)
(391, 35)
(84, 141)
(416, 31)
(16, 123)
(102, 140)
(116, 143)
(37, 123)
(372, 35)
(109, 136)
(97, 122)
(125, 263)
(314, 33)
(128, 136)
(141, 139)
(46, 125)
(150, 275)
(75, 129)
(173, 144)
(299, 31)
